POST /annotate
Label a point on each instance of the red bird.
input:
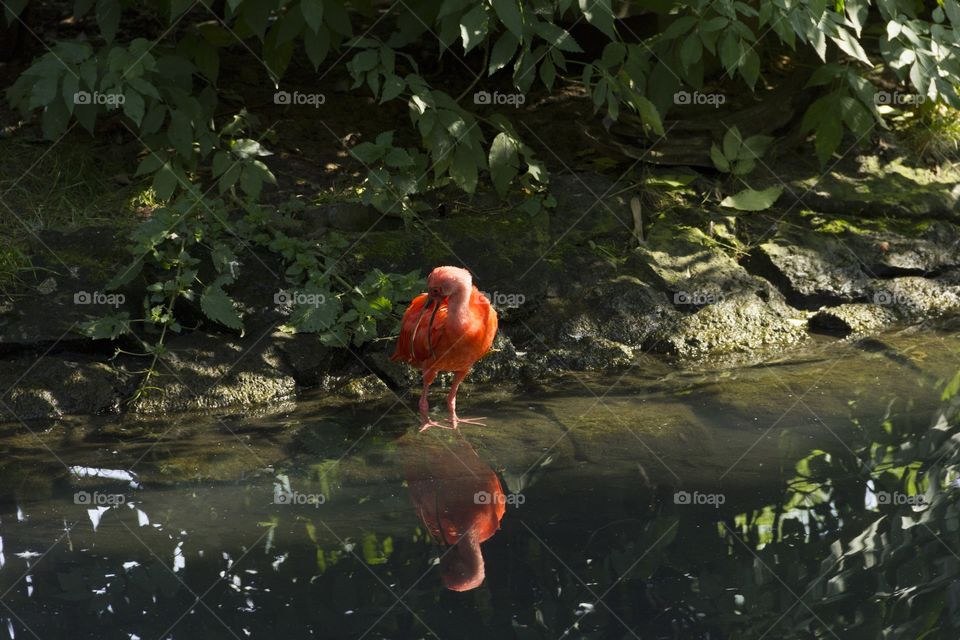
(457, 332)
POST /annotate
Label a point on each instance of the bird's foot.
(432, 423)
(474, 421)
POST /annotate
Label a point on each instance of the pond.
(813, 497)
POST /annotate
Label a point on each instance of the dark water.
(810, 498)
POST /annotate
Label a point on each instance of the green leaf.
(613, 55)
(150, 163)
(509, 13)
(219, 307)
(503, 51)
(850, 46)
(752, 200)
(251, 181)
(826, 73)
(731, 143)
(108, 18)
(126, 275)
(829, 135)
(364, 61)
(679, 27)
(599, 13)
(229, 177)
(557, 37)
(463, 170)
(398, 157)
(691, 51)
(133, 106)
(44, 91)
(54, 120)
(367, 152)
(524, 71)
(750, 67)
(503, 161)
(313, 13)
(109, 327)
(473, 27)
(548, 73)
(317, 45)
(221, 162)
(649, 114)
(719, 160)
(318, 310)
(180, 133)
(164, 182)
(393, 86)
(179, 6)
(755, 146)
(337, 18)
(729, 51)
(857, 118)
(743, 166)
(71, 84)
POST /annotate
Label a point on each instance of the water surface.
(806, 498)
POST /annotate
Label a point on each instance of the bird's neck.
(458, 306)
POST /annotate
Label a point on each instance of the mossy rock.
(54, 386)
(855, 318)
(885, 189)
(738, 324)
(204, 371)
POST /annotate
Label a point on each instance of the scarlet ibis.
(459, 499)
(458, 332)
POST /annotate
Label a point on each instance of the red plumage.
(435, 347)
(447, 329)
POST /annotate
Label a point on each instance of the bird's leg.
(424, 405)
(452, 402)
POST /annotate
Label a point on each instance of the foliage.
(167, 93)
(738, 156)
(753, 200)
(190, 253)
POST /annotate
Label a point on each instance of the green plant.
(738, 156)
(933, 133)
(166, 91)
(187, 253)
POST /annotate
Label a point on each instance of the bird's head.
(445, 281)
(461, 568)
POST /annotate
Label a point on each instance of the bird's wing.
(420, 331)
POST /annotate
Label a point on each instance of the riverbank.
(590, 285)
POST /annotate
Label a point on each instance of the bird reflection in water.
(459, 499)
